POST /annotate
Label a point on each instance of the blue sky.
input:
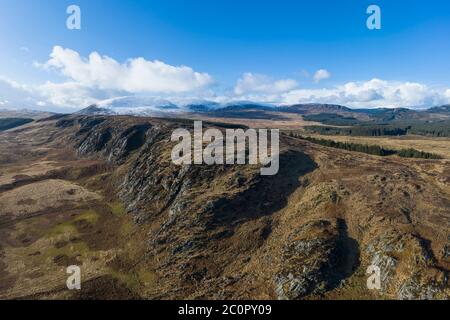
(243, 50)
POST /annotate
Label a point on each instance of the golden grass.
(117, 208)
(136, 280)
(42, 195)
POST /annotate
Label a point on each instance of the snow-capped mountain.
(149, 106)
(131, 106)
(157, 107)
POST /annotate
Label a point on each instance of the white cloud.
(320, 75)
(256, 83)
(371, 94)
(134, 76)
(15, 95)
(4, 81)
(447, 94)
(96, 78)
(64, 97)
(71, 94)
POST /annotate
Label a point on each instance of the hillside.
(141, 227)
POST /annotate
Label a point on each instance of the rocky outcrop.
(316, 258)
(309, 261)
(209, 223)
(408, 268)
(113, 141)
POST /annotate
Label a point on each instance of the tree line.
(435, 129)
(365, 131)
(10, 123)
(369, 149)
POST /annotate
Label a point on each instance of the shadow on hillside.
(348, 255)
(268, 195)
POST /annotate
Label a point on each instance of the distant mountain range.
(154, 107)
(441, 109)
(24, 113)
(143, 106)
(147, 106)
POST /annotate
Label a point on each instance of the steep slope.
(310, 232)
(212, 222)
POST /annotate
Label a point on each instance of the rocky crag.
(309, 232)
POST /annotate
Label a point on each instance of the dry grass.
(11, 174)
(39, 196)
(368, 192)
(289, 121)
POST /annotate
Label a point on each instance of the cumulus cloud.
(256, 83)
(95, 78)
(72, 94)
(447, 94)
(15, 95)
(321, 74)
(371, 94)
(136, 75)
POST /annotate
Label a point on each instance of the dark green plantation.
(349, 126)
(10, 123)
(370, 149)
(332, 119)
(361, 130)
